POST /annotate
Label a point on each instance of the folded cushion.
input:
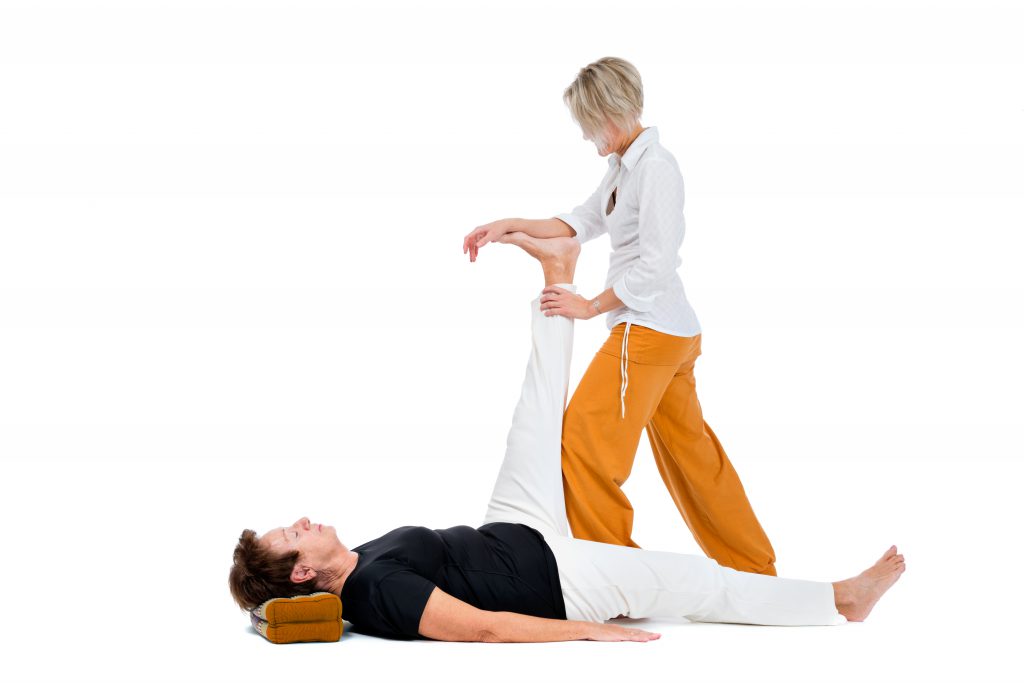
(313, 607)
(302, 619)
(300, 632)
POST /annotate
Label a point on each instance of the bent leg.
(702, 481)
(599, 443)
(601, 581)
(529, 485)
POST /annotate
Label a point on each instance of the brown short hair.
(258, 575)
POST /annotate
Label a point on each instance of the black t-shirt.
(499, 567)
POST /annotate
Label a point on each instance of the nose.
(302, 523)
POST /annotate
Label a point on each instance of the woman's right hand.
(612, 633)
(483, 234)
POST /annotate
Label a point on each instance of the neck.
(629, 140)
(340, 571)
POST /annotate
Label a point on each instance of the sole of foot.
(561, 251)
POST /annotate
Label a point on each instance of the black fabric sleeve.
(399, 600)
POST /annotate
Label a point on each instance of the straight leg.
(529, 485)
(701, 479)
(602, 581)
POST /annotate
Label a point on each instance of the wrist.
(511, 225)
(594, 307)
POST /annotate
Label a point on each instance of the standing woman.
(642, 377)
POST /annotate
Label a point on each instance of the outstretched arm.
(448, 618)
(491, 232)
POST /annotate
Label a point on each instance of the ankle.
(556, 276)
(841, 593)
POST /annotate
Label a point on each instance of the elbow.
(491, 629)
(640, 299)
(488, 636)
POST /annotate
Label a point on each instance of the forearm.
(604, 302)
(541, 228)
(509, 627)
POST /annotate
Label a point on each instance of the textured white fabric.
(646, 228)
(601, 581)
(529, 485)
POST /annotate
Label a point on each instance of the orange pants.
(599, 446)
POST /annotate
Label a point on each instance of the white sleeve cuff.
(574, 223)
(636, 303)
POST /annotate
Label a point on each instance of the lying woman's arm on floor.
(448, 618)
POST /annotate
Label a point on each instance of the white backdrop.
(232, 293)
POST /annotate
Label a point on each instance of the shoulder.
(657, 173)
(656, 160)
(386, 599)
(372, 581)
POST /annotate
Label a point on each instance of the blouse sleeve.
(660, 234)
(586, 218)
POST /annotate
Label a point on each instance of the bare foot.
(857, 596)
(557, 255)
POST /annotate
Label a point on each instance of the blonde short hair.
(606, 90)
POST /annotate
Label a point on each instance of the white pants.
(602, 581)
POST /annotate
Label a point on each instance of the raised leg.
(528, 489)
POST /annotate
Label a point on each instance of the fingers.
(551, 289)
(646, 636)
(472, 243)
(637, 635)
(469, 240)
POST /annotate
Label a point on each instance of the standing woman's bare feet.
(557, 255)
(857, 596)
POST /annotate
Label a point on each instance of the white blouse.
(644, 221)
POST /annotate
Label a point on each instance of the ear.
(302, 573)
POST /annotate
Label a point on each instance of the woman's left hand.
(557, 301)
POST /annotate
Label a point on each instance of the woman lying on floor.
(520, 577)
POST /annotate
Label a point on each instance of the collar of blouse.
(636, 148)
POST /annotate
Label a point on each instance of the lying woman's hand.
(483, 234)
(558, 301)
(611, 633)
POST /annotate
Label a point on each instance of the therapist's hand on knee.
(558, 301)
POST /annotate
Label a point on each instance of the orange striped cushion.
(302, 619)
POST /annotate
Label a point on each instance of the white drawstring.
(624, 366)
